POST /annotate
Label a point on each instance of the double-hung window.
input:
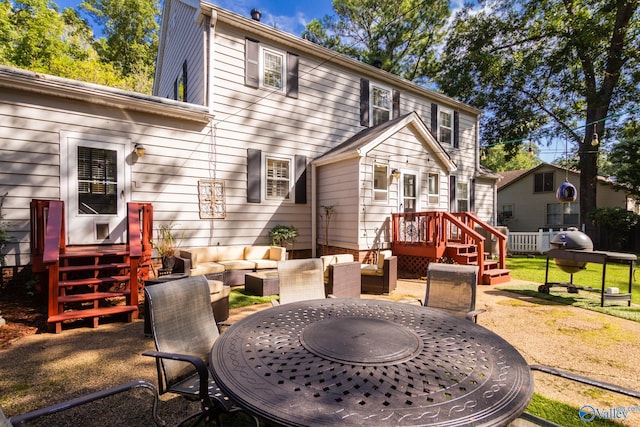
(445, 126)
(563, 214)
(380, 183)
(543, 182)
(273, 73)
(278, 179)
(462, 195)
(381, 105)
(434, 189)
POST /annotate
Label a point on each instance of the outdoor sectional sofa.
(230, 263)
(380, 278)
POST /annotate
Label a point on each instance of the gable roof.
(510, 177)
(263, 31)
(363, 142)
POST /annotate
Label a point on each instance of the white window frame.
(459, 190)
(434, 197)
(381, 188)
(442, 128)
(562, 211)
(268, 179)
(283, 68)
(373, 87)
(507, 210)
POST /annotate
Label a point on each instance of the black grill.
(571, 239)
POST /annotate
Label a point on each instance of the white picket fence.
(527, 242)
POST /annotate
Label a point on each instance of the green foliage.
(281, 235)
(498, 159)
(401, 35)
(618, 223)
(625, 159)
(561, 413)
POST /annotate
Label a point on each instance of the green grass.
(239, 298)
(590, 279)
(562, 414)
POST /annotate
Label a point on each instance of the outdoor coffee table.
(369, 362)
(262, 283)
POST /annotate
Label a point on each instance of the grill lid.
(572, 239)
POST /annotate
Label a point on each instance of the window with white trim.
(272, 69)
(278, 178)
(409, 192)
(381, 104)
(434, 188)
(563, 213)
(445, 126)
(380, 183)
(462, 196)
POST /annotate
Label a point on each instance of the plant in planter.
(283, 235)
(166, 246)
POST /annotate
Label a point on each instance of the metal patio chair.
(300, 280)
(184, 330)
(23, 419)
(452, 287)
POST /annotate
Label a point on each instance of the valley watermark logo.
(589, 413)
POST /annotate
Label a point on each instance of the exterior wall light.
(139, 150)
(395, 173)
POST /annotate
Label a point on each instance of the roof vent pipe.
(256, 14)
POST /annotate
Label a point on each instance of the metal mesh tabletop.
(371, 362)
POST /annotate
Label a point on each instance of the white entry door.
(96, 189)
(408, 184)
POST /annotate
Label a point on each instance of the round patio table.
(369, 362)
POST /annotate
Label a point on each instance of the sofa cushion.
(207, 268)
(230, 253)
(277, 253)
(256, 252)
(238, 264)
(200, 255)
(264, 263)
(371, 270)
(328, 260)
(382, 256)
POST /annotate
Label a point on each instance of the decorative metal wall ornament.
(211, 199)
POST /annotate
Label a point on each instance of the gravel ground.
(42, 369)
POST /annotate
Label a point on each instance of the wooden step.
(91, 296)
(495, 276)
(55, 322)
(490, 264)
(93, 281)
(92, 267)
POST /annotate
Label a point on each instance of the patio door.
(408, 191)
(96, 189)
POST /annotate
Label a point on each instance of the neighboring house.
(261, 128)
(527, 199)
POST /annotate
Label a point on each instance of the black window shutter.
(396, 103)
(292, 75)
(472, 196)
(254, 175)
(364, 102)
(434, 120)
(456, 129)
(452, 194)
(301, 179)
(251, 63)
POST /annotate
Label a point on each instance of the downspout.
(314, 203)
(209, 72)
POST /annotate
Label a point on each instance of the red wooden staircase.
(450, 237)
(89, 282)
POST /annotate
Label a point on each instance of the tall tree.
(625, 157)
(566, 64)
(130, 33)
(399, 36)
(498, 160)
(36, 36)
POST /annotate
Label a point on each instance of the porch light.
(395, 173)
(139, 150)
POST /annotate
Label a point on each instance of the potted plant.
(283, 235)
(166, 246)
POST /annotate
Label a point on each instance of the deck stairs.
(459, 237)
(86, 282)
(467, 254)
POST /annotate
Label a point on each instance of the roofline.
(261, 30)
(30, 81)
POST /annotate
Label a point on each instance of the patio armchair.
(184, 330)
(300, 280)
(380, 278)
(452, 288)
(341, 276)
(24, 419)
